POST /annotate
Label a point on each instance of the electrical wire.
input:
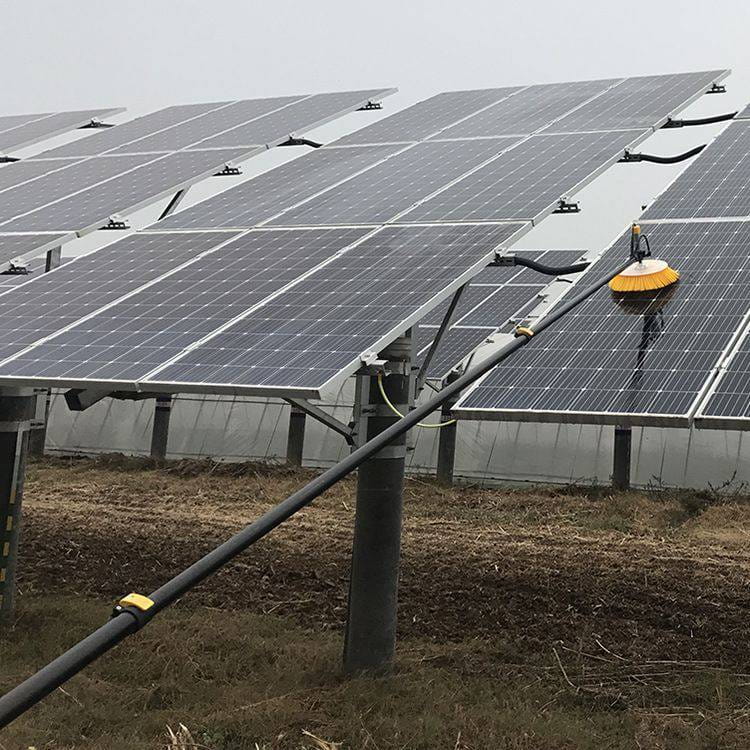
(390, 405)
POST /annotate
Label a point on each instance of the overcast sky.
(145, 54)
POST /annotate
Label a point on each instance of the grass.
(531, 619)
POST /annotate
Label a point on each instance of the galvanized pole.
(621, 458)
(370, 639)
(296, 438)
(17, 407)
(160, 432)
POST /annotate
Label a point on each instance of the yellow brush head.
(643, 276)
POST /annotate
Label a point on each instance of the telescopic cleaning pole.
(136, 611)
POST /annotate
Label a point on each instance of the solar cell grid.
(264, 196)
(49, 303)
(101, 141)
(641, 102)
(527, 180)
(320, 327)
(644, 359)
(456, 344)
(124, 192)
(11, 246)
(297, 117)
(206, 125)
(380, 193)
(427, 117)
(60, 183)
(16, 173)
(528, 110)
(150, 327)
(716, 184)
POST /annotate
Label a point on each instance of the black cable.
(535, 265)
(662, 159)
(670, 123)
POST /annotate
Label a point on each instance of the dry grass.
(537, 619)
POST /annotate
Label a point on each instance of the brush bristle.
(644, 282)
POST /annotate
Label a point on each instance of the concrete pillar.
(296, 438)
(370, 639)
(17, 406)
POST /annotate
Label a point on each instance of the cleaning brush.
(646, 273)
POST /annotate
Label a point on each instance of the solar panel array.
(664, 357)
(76, 187)
(333, 269)
(19, 131)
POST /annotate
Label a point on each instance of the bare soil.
(632, 608)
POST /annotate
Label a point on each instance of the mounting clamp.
(5, 159)
(370, 105)
(565, 206)
(116, 222)
(228, 170)
(717, 88)
(16, 267)
(95, 124)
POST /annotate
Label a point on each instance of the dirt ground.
(628, 612)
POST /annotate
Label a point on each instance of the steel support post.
(621, 458)
(160, 432)
(370, 639)
(296, 438)
(17, 407)
(446, 457)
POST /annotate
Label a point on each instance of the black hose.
(662, 159)
(670, 123)
(130, 619)
(550, 270)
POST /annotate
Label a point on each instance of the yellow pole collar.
(138, 601)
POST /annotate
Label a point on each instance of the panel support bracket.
(304, 406)
(370, 105)
(116, 222)
(717, 88)
(96, 124)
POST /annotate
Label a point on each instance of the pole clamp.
(135, 605)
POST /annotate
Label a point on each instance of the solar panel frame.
(17, 245)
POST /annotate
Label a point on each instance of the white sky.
(146, 54)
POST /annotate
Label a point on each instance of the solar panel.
(223, 333)
(642, 102)
(318, 329)
(299, 116)
(716, 184)
(642, 360)
(19, 131)
(455, 345)
(56, 300)
(427, 117)
(727, 405)
(527, 180)
(256, 200)
(132, 131)
(528, 110)
(206, 125)
(126, 192)
(744, 114)
(14, 245)
(388, 188)
(62, 182)
(19, 172)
